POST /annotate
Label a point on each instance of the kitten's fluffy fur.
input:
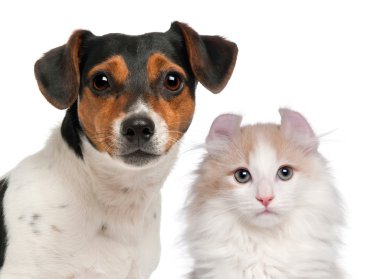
(229, 236)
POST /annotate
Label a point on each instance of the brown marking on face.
(97, 115)
(115, 66)
(158, 63)
(177, 113)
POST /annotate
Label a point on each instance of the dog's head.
(132, 96)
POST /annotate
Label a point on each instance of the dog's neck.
(115, 185)
(113, 171)
(118, 185)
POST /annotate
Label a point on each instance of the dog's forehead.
(134, 49)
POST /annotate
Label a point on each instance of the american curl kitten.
(263, 205)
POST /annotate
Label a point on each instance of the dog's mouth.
(139, 157)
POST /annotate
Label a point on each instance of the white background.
(321, 58)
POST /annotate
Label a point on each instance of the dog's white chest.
(81, 225)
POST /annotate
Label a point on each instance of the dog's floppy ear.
(57, 72)
(212, 58)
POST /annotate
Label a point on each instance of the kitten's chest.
(254, 258)
(278, 258)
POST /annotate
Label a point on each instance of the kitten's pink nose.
(265, 200)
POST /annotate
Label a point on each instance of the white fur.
(69, 218)
(229, 240)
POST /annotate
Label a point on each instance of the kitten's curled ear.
(296, 128)
(212, 58)
(57, 72)
(224, 127)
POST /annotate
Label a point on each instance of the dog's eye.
(285, 173)
(173, 82)
(100, 82)
(242, 176)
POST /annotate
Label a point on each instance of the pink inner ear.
(295, 127)
(224, 126)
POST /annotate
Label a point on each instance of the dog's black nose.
(137, 129)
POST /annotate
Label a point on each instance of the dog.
(88, 204)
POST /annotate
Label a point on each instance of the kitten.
(263, 205)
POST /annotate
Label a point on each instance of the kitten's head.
(262, 173)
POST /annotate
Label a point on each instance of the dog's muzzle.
(138, 130)
(139, 142)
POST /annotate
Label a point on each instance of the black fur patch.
(71, 130)
(3, 232)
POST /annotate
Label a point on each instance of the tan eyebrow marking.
(114, 65)
(158, 63)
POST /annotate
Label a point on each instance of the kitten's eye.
(173, 82)
(100, 82)
(285, 173)
(242, 175)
